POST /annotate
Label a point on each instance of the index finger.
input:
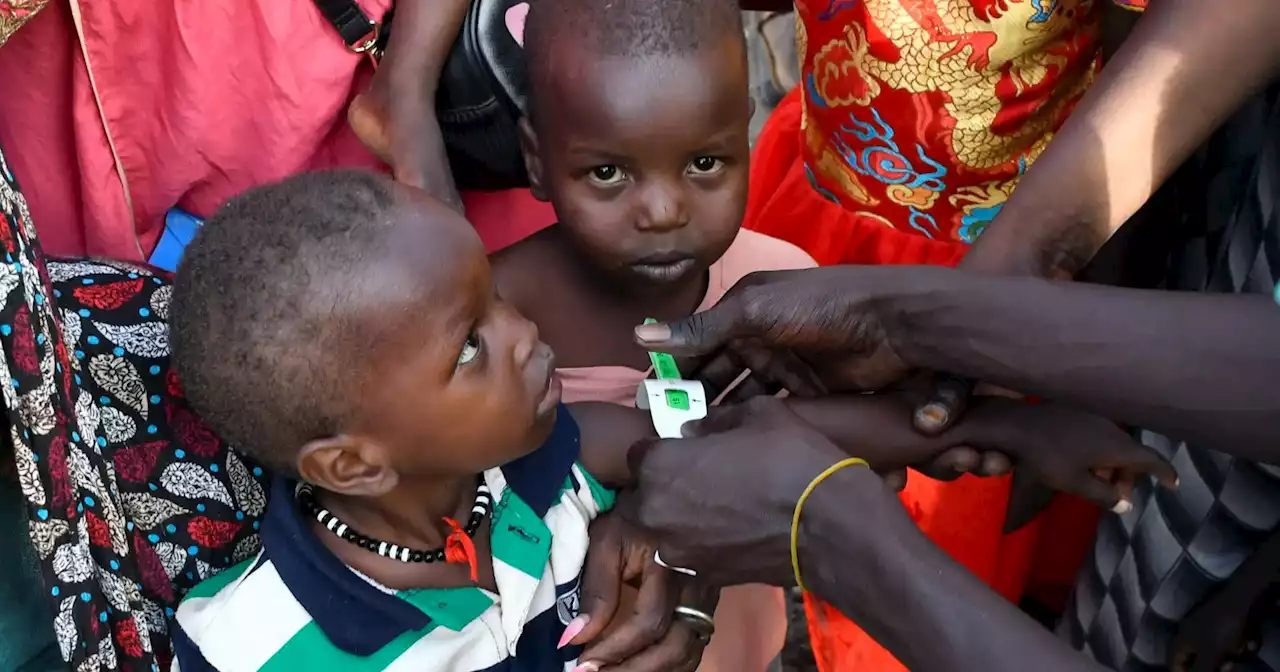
(649, 621)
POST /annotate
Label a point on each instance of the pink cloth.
(115, 112)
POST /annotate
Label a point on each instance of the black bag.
(481, 94)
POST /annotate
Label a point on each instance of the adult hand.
(1067, 450)
(812, 330)
(720, 500)
(395, 118)
(649, 638)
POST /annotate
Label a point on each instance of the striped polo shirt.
(297, 607)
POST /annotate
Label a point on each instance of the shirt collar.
(356, 616)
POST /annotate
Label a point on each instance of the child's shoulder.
(516, 267)
(223, 615)
(752, 251)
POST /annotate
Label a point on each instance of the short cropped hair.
(630, 28)
(258, 361)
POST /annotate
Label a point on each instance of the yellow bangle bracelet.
(804, 496)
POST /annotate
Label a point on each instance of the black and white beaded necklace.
(307, 501)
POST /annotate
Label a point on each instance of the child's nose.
(664, 208)
(527, 342)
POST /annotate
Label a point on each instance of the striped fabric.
(297, 607)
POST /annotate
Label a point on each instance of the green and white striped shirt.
(297, 607)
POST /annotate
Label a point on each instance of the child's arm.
(876, 428)
(1062, 446)
(607, 432)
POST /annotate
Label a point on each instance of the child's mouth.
(670, 270)
(552, 392)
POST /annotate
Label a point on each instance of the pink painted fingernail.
(1122, 507)
(587, 667)
(570, 631)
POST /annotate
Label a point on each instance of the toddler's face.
(459, 381)
(646, 160)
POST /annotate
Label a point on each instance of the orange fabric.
(964, 517)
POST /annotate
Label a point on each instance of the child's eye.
(704, 165)
(470, 349)
(607, 175)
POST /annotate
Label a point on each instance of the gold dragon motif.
(945, 46)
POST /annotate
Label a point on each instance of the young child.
(427, 512)
(638, 135)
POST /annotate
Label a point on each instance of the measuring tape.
(670, 400)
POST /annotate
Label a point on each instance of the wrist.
(911, 312)
(846, 522)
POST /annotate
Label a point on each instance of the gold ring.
(702, 624)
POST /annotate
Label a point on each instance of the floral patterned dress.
(131, 500)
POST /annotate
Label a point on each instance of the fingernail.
(587, 667)
(570, 631)
(1122, 507)
(653, 333)
(933, 416)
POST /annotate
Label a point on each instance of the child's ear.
(532, 162)
(347, 465)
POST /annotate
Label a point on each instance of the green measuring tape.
(664, 368)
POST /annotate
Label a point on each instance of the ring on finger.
(657, 559)
(699, 621)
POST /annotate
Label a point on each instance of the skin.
(904, 590)
(647, 169)
(1126, 354)
(646, 162)
(464, 384)
(1183, 70)
(456, 381)
(396, 118)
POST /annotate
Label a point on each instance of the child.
(638, 135)
(344, 331)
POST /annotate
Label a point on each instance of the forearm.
(423, 35)
(1196, 366)
(876, 567)
(1186, 66)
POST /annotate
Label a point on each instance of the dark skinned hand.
(648, 638)
(1067, 450)
(720, 500)
(811, 331)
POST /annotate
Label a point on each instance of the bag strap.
(358, 31)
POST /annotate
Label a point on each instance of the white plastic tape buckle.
(671, 403)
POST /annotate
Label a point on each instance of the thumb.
(698, 334)
(947, 402)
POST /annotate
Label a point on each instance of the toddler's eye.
(470, 349)
(704, 165)
(607, 175)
